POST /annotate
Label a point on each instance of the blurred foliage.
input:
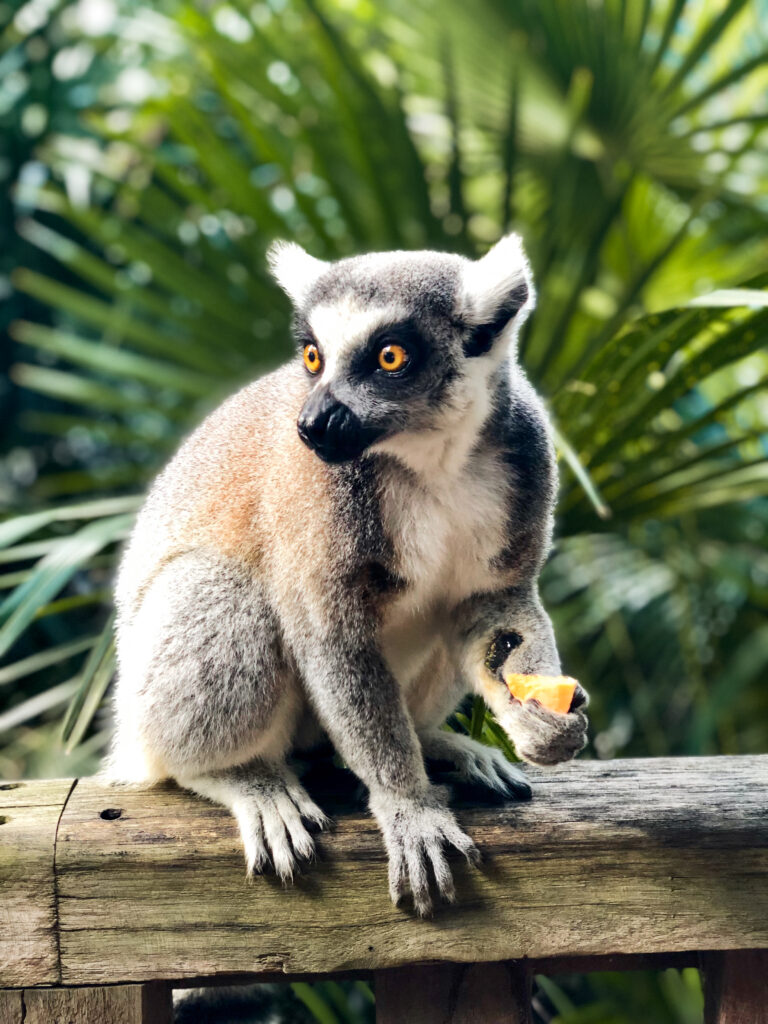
(155, 152)
(327, 1002)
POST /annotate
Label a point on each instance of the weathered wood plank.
(118, 1004)
(29, 815)
(623, 857)
(736, 987)
(497, 993)
(11, 1007)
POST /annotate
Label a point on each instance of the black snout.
(331, 429)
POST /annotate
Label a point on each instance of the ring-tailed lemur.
(346, 547)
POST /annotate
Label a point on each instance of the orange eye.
(312, 359)
(393, 357)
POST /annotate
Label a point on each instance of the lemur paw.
(476, 764)
(545, 737)
(275, 828)
(416, 831)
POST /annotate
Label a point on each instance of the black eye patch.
(482, 337)
(405, 333)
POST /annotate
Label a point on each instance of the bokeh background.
(148, 155)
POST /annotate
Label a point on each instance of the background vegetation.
(148, 156)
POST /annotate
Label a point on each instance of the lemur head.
(399, 344)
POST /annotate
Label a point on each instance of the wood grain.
(118, 1004)
(736, 987)
(11, 1007)
(497, 993)
(610, 857)
(29, 815)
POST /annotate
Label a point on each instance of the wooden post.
(497, 993)
(110, 1004)
(29, 816)
(11, 1006)
(735, 986)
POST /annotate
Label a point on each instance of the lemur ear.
(496, 290)
(294, 269)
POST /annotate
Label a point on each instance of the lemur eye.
(312, 359)
(393, 357)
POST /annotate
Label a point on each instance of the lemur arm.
(541, 736)
(509, 631)
(361, 707)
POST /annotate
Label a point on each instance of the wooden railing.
(110, 896)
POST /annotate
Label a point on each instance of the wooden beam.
(736, 987)
(116, 1004)
(609, 857)
(29, 816)
(497, 993)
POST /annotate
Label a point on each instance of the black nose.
(331, 429)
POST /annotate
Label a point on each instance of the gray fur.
(269, 598)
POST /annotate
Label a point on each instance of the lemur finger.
(534, 709)
(307, 807)
(252, 835)
(418, 878)
(442, 872)
(580, 698)
(496, 770)
(398, 882)
(485, 773)
(280, 849)
(461, 841)
(301, 840)
(515, 779)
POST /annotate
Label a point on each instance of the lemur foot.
(545, 737)
(476, 763)
(274, 826)
(416, 831)
(274, 812)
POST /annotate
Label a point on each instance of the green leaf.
(93, 681)
(53, 572)
(115, 362)
(478, 718)
(38, 705)
(314, 1002)
(14, 529)
(581, 474)
(44, 659)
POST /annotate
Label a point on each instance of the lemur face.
(399, 343)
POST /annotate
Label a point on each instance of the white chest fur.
(446, 528)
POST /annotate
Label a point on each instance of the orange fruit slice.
(554, 692)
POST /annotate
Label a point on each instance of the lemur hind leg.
(206, 695)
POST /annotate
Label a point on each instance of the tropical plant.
(626, 143)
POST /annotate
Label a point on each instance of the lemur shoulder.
(335, 551)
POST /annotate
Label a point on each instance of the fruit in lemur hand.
(554, 692)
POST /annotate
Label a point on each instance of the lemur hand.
(416, 830)
(546, 737)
